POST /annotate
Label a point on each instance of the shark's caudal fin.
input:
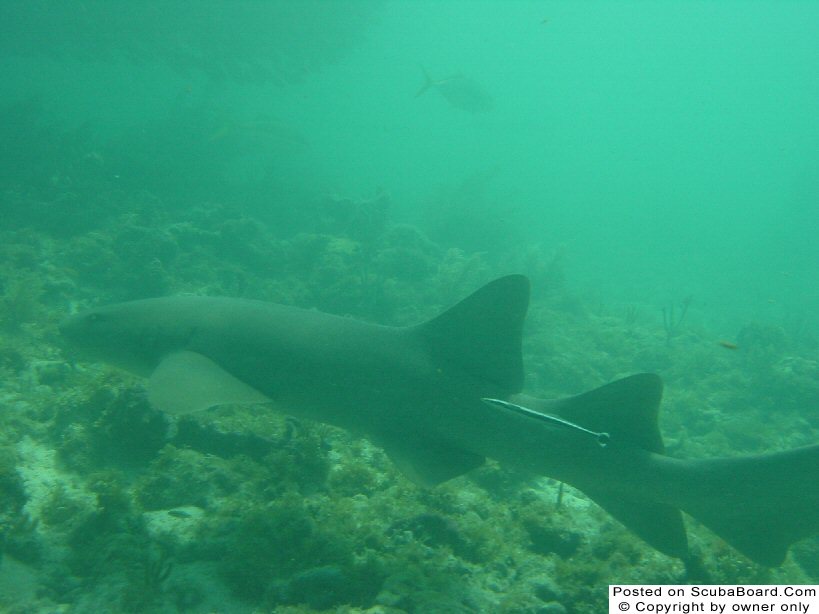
(481, 335)
(758, 504)
(627, 410)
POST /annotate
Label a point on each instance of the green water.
(652, 167)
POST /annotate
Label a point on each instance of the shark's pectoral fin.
(186, 381)
(658, 524)
(428, 463)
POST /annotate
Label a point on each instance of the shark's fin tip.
(482, 334)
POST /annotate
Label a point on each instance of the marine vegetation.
(381, 381)
(673, 320)
(106, 500)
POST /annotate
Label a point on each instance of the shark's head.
(134, 336)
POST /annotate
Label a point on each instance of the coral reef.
(105, 501)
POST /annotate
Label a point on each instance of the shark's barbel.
(417, 391)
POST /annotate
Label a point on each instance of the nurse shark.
(442, 396)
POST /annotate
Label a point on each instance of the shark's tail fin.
(758, 504)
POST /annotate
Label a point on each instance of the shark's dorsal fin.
(185, 382)
(481, 335)
(626, 409)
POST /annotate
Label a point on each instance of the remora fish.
(442, 396)
(459, 91)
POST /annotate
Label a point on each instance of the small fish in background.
(728, 345)
(461, 92)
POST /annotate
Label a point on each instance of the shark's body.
(418, 391)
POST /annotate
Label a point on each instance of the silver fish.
(459, 91)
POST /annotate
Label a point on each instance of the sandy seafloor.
(107, 506)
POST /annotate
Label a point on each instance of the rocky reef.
(108, 506)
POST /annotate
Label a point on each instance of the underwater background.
(652, 167)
